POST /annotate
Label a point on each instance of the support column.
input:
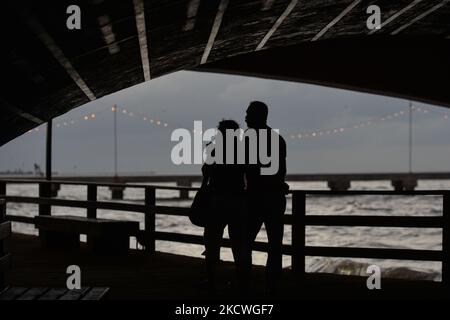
(184, 194)
(117, 193)
(48, 151)
(54, 189)
(339, 185)
(397, 184)
(150, 220)
(44, 192)
(407, 184)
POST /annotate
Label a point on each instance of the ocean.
(370, 237)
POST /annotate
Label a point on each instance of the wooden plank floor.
(62, 293)
(168, 276)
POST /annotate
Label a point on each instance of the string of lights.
(67, 123)
(444, 115)
(141, 116)
(365, 124)
(301, 135)
(94, 116)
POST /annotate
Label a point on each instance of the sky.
(311, 111)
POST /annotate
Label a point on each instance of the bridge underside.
(49, 70)
(417, 69)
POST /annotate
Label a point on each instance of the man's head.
(257, 115)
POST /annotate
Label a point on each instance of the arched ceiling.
(48, 69)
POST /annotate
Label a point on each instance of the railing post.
(2, 188)
(92, 197)
(150, 217)
(446, 241)
(45, 192)
(2, 211)
(184, 194)
(298, 232)
(4, 250)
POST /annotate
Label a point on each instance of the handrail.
(375, 221)
(184, 188)
(298, 220)
(97, 184)
(312, 220)
(116, 206)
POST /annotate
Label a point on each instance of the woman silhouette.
(228, 208)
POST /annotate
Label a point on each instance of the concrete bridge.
(335, 181)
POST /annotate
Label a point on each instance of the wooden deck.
(167, 276)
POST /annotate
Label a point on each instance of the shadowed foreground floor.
(168, 276)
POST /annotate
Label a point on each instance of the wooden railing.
(5, 234)
(298, 249)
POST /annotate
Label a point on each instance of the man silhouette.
(267, 195)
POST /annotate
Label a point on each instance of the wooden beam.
(58, 54)
(336, 20)
(277, 23)
(420, 17)
(396, 15)
(21, 113)
(215, 29)
(139, 11)
(191, 14)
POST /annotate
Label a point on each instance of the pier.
(51, 70)
(126, 275)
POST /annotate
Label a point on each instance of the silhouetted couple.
(243, 199)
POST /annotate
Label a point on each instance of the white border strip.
(56, 51)
(396, 15)
(420, 17)
(142, 36)
(215, 29)
(336, 20)
(279, 21)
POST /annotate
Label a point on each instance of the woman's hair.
(227, 124)
(222, 127)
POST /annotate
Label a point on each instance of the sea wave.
(354, 268)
